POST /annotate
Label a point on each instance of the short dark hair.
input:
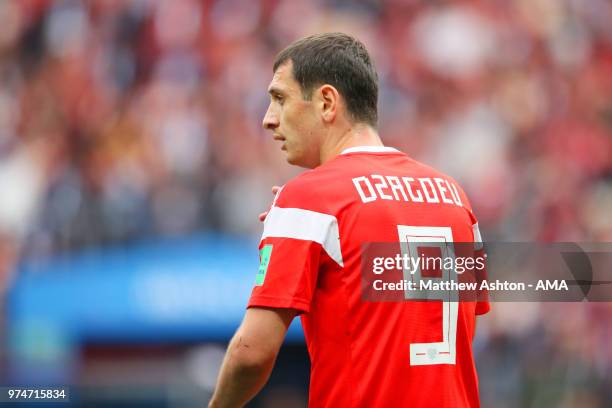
(341, 61)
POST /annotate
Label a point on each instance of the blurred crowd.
(125, 119)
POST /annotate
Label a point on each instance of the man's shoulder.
(318, 189)
(330, 187)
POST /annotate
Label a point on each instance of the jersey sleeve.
(295, 243)
(482, 305)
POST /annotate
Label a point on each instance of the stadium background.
(133, 166)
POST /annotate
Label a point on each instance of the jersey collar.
(369, 149)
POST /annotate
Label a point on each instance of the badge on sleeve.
(264, 256)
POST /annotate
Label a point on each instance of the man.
(323, 110)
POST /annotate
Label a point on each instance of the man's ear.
(330, 101)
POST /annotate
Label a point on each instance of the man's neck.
(357, 135)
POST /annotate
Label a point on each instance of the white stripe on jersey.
(477, 237)
(306, 225)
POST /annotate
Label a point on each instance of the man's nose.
(270, 120)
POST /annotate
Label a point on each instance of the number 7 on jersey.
(411, 239)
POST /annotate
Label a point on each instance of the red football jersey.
(364, 353)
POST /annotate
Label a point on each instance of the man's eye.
(276, 98)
